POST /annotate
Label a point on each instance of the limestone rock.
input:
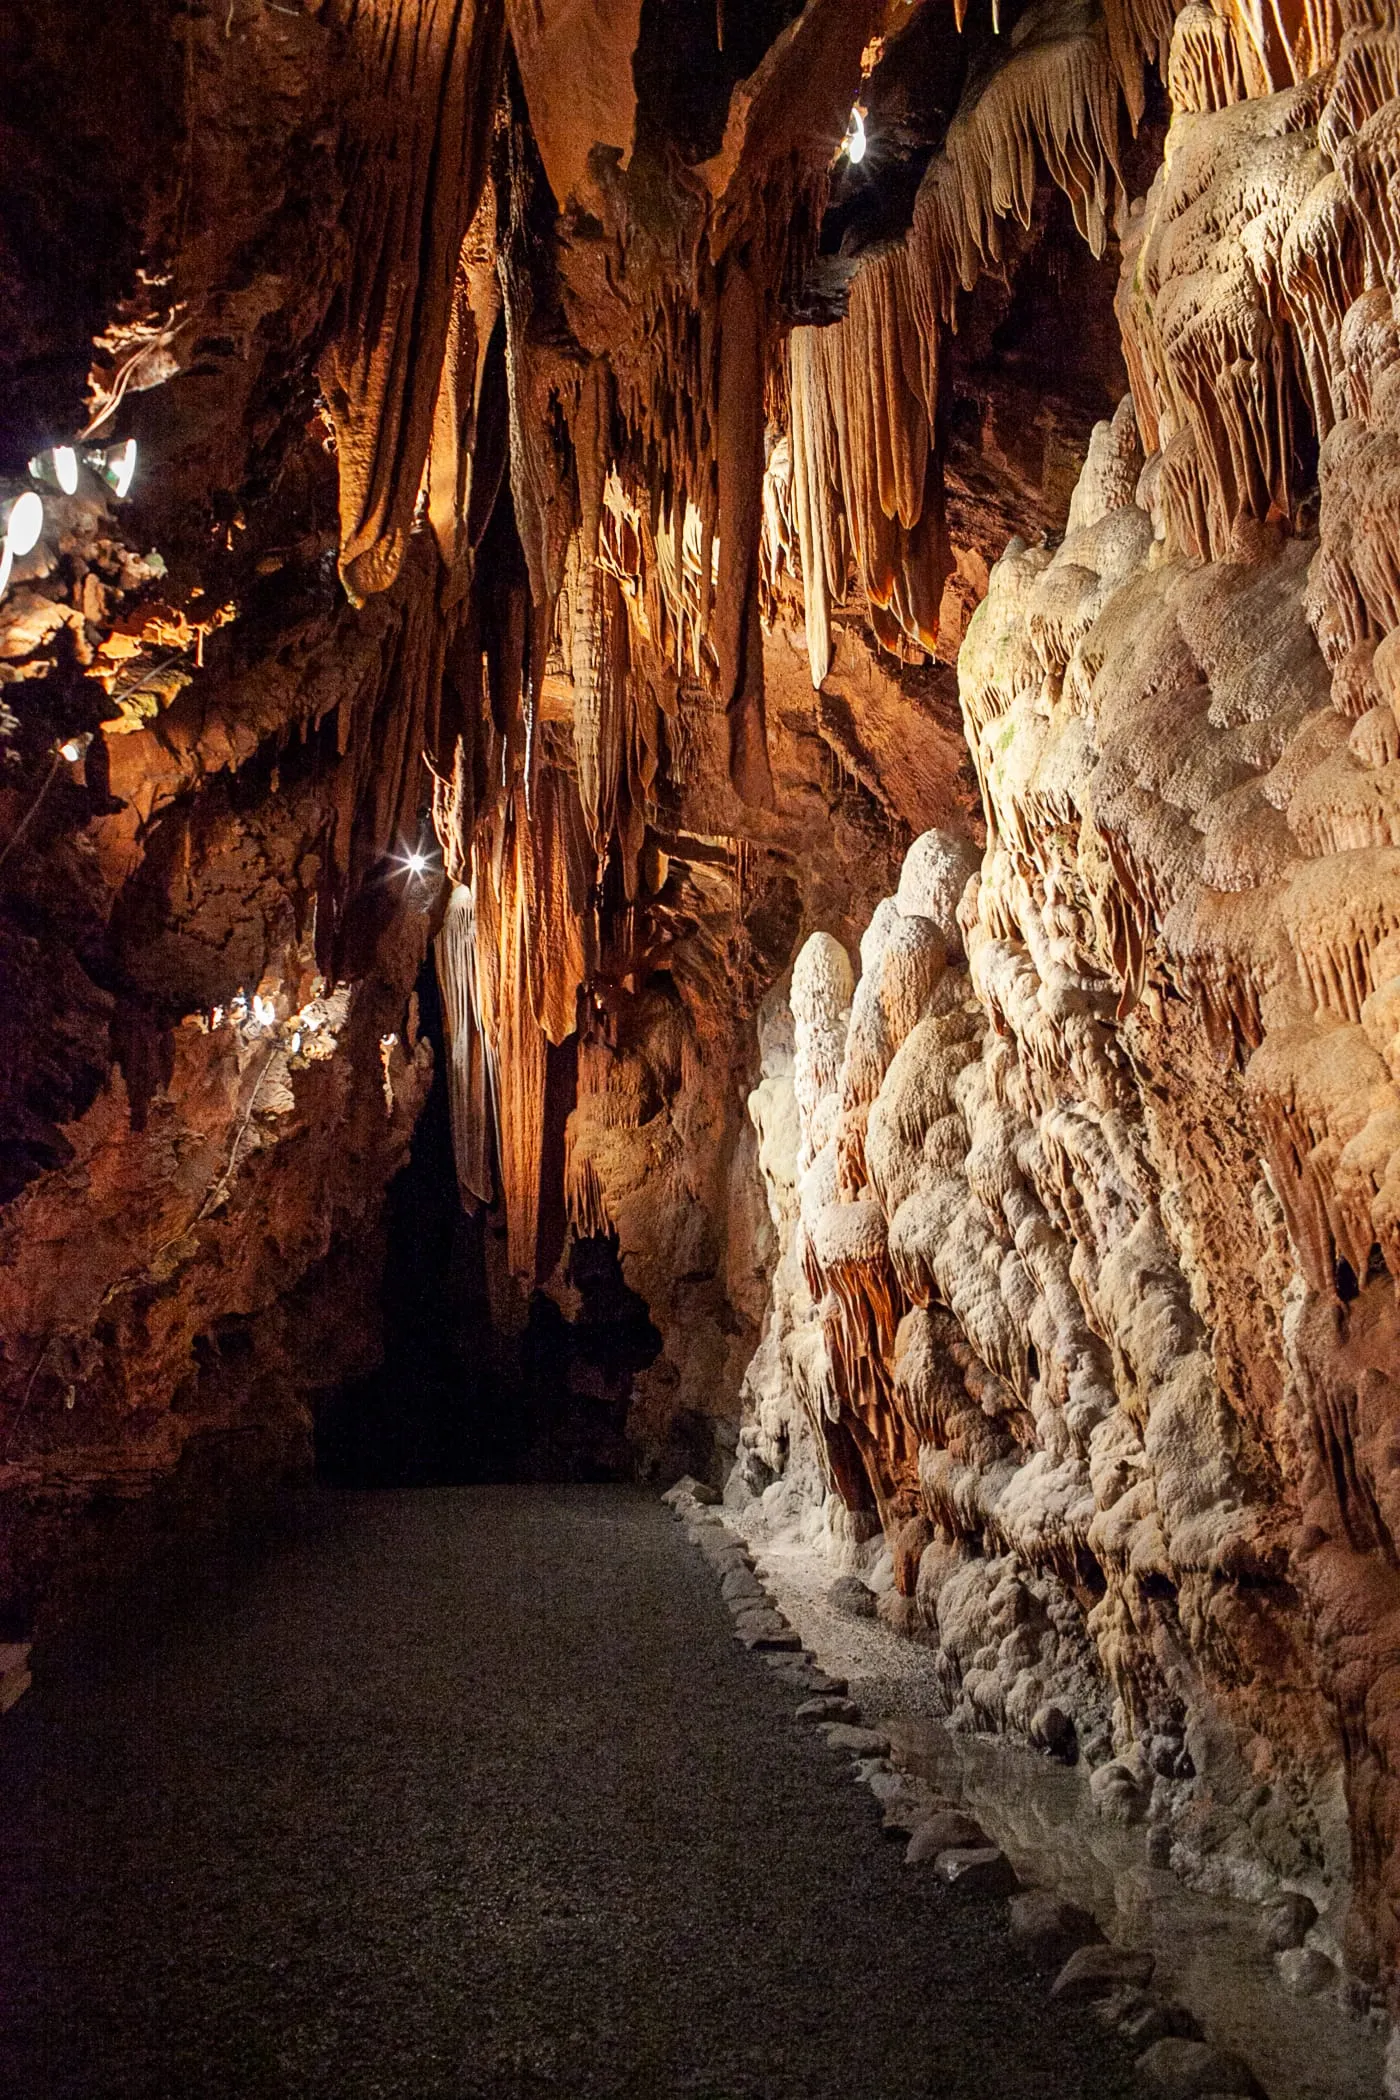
(1304, 1972)
(856, 1742)
(944, 1831)
(1096, 1971)
(1177, 2068)
(1287, 1921)
(688, 1489)
(830, 1707)
(851, 1596)
(980, 1870)
(1048, 1927)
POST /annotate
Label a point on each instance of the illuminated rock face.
(561, 462)
(1088, 1290)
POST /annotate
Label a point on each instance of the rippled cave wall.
(868, 678)
(1084, 1341)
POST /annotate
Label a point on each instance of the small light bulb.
(855, 138)
(417, 862)
(25, 524)
(73, 749)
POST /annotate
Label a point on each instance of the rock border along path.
(1174, 2062)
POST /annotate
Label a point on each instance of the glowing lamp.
(855, 141)
(417, 863)
(117, 466)
(59, 469)
(24, 522)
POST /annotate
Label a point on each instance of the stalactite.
(1205, 70)
(734, 621)
(560, 929)
(576, 69)
(815, 482)
(428, 77)
(542, 385)
(515, 1041)
(1315, 1094)
(1201, 305)
(601, 667)
(864, 406)
(455, 954)
(476, 301)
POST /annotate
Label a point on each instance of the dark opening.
(464, 1395)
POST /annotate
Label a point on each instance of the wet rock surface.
(470, 1792)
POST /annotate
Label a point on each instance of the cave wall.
(209, 758)
(1085, 1316)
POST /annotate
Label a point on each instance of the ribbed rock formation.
(1094, 1276)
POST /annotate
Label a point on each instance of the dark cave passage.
(479, 1383)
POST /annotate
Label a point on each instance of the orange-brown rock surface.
(577, 446)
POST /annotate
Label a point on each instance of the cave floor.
(471, 1792)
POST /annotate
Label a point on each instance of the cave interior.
(700, 776)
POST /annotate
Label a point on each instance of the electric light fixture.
(116, 464)
(418, 863)
(57, 468)
(23, 519)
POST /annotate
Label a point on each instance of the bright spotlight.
(854, 140)
(117, 466)
(415, 863)
(24, 523)
(59, 469)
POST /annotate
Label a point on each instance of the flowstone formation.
(573, 446)
(1086, 1178)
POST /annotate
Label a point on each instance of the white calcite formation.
(1086, 1311)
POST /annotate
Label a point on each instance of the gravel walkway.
(471, 1792)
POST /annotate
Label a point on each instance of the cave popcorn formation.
(589, 464)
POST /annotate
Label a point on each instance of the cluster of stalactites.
(512, 957)
(1273, 213)
(1052, 95)
(866, 481)
(1225, 51)
(399, 379)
